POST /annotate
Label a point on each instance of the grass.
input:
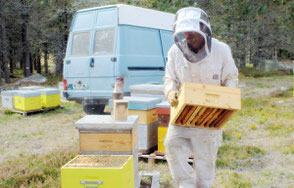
(252, 72)
(257, 149)
(235, 157)
(35, 171)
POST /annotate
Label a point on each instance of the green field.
(257, 149)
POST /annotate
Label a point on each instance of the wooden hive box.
(100, 134)
(107, 171)
(163, 113)
(205, 106)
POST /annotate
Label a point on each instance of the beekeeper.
(199, 58)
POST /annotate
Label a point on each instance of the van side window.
(104, 40)
(80, 44)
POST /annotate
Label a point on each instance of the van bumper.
(103, 96)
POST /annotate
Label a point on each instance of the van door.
(77, 60)
(166, 41)
(103, 54)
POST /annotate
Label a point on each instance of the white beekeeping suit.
(212, 64)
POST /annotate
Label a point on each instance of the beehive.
(100, 134)
(27, 100)
(205, 106)
(147, 137)
(30, 88)
(163, 112)
(7, 99)
(139, 103)
(161, 136)
(145, 116)
(148, 90)
(99, 171)
(50, 97)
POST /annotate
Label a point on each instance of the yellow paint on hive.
(71, 177)
(28, 103)
(161, 136)
(50, 101)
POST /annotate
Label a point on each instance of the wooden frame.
(205, 106)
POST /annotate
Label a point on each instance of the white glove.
(172, 98)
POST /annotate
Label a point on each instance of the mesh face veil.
(192, 20)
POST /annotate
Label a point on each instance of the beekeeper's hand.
(172, 98)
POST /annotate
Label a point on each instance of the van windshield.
(104, 42)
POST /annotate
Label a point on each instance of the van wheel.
(91, 106)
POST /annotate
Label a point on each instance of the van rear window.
(104, 40)
(80, 44)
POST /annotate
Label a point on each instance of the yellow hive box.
(27, 100)
(145, 116)
(50, 97)
(161, 136)
(108, 171)
(205, 106)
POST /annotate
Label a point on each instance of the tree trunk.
(31, 63)
(25, 35)
(34, 58)
(4, 50)
(11, 65)
(1, 60)
(46, 57)
(38, 62)
(59, 64)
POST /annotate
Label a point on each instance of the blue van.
(117, 42)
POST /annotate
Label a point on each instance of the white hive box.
(147, 137)
(148, 90)
(30, 87)
(7, 99)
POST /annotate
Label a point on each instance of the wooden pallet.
(26, 113)
(153, 157)
(148, 151)
(205, 106)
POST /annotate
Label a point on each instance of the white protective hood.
(192, 20)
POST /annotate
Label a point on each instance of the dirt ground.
(45, 132)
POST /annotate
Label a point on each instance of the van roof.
(131, 15)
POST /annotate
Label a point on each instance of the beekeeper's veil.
(192, 20)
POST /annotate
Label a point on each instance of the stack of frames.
(205, 106)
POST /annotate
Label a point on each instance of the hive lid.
(49, 91)
(164, 104)
(27, 93)
(147, 88)
(30, 87)
(105, 122)
(140, 103)
(8, 92)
